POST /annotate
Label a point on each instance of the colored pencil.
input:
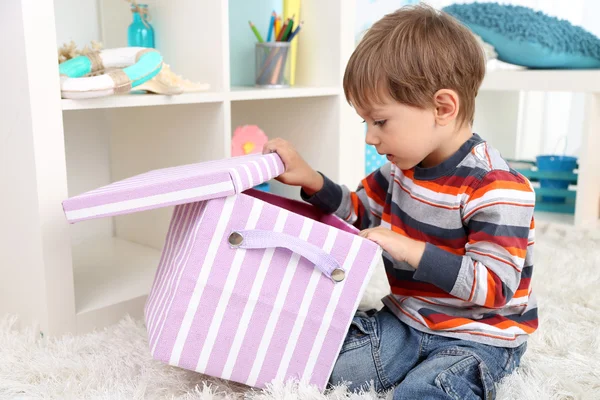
(283, 28)
(260, 39)
(271, 26)
(277, 27)
(296, 31)
(288, 29)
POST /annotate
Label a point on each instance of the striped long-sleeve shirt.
(475, 215)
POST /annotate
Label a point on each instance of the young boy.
(455, 222)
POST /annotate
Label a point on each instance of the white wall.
(77, 20)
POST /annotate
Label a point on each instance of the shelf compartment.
(110, 271)
(310, 124)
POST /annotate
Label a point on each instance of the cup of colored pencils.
(272, 68)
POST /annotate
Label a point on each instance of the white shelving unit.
(501, 88)
(73, 278)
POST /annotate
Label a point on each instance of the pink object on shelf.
(247, 139)
(250, 286)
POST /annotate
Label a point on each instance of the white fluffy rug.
(563, 360)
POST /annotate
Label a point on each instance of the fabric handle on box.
(259, 239)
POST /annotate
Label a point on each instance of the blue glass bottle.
(140, 32)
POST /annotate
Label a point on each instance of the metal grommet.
(338, 275)
(235, 239)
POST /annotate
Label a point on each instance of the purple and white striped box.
(250, 287)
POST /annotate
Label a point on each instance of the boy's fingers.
(269, 147)
(274, 145)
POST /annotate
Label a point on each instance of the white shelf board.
(141, 100)
(543, 80)
(238, 93)
(109, 271)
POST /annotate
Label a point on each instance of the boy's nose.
(371, 139)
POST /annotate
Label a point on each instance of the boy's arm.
(362, 208)
(495, 267)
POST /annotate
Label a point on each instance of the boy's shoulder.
(487, 165)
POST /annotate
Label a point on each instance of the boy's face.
(406, 135)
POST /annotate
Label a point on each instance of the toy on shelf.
(106, 72)
(164, 82)
(169, 83)
(554, 173)
(249, 139)
(69, 50)
(140, 33)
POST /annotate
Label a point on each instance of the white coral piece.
(168, 82)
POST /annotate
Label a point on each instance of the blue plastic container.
(555, 163)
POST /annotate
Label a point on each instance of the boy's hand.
(399, 247)
(297, 171)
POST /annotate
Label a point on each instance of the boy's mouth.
(389, 157)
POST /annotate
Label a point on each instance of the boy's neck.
(448, 148)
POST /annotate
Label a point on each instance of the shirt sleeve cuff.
(438, 267)
(328, 199)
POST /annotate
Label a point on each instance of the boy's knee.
(456, 376)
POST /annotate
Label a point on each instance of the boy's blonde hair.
(412, 53)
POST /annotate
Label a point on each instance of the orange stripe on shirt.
(487, 155)
(371, 193)
(509, 339)
(495, 258)
(425, 201)
(449, 324)
(474, 281)
(491, 292)
(509, 324)
(443, 189)
(499, 185)
(514, 251)
(355, 201)
(521, 293)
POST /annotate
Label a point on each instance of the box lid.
(173, 186)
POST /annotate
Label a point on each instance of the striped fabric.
(173, 186)
(246, 315)
(252, 315)
(476, 216)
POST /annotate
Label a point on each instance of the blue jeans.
(380, 348)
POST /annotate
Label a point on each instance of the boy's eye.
(380, 122)
(363, 121)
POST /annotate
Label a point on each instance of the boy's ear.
(446, 105)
